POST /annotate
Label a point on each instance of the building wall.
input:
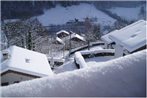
(118, 51)
(12, 77)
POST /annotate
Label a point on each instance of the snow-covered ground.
(125, 76)
(68, 66)
(98, 60)
(126, 13)
(61, 15)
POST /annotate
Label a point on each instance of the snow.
(67, 66)
(125, 77)
(133, 40)
(60, 15)
(98, 60)
(10, 20)
(80, 60)
(126, 13)
(62, 31)
(98, 51)
(106, 37)
(74, 35)
(92, 48)
(59, 40)
(37, 62)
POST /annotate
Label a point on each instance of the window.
(27, 60)
(5, 56)
(5, 84)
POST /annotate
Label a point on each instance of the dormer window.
(5, 56)
(27, 60)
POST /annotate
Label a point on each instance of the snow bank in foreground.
(125, 76)
(80, 60)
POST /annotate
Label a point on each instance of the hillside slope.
(61, 15)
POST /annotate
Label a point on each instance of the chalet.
(129, 39)
(63, 36)
(77, 37)
(18, 64)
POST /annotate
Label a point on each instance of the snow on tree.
(27, 33)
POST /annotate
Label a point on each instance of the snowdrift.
(79, 60)
(125, 76)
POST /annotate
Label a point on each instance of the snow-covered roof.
(74, 35)
(62, 31)
(106, 37)
(59, 40)
(26, 61)
(108, 40)
(131, 37)
(124, 76)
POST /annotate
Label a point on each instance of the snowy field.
(126, 13)
(124, 76)
(61, 15)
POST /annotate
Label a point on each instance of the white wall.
(118, 51)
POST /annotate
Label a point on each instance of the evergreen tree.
(29, 41)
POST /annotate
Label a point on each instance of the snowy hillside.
(126, 13)
(61, 15)
(124, 76)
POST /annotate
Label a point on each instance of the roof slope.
(131, 37)
(125, 76)
(106, 37)
(62, 31)
(37, 65)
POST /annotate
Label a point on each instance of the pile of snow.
(61, 15)
(126, 13)
(125, 76)
(80, 60)
(98, 51)
(68, 66)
